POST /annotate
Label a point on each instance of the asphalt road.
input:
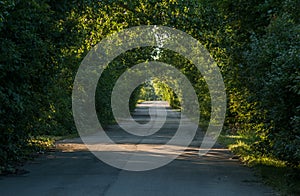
(73, 170)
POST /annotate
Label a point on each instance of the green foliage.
(255, 44)
(166, 93)
(25, 74)
(260, 64)
(273, 70)
(147, 92)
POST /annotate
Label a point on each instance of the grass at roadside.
(35, 146)
(46, 142)
(273, 172)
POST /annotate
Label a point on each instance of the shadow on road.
(73, 170)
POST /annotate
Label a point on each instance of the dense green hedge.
(264, 97)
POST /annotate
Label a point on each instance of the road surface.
(74, 170)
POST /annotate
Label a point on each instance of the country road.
(73, 170)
